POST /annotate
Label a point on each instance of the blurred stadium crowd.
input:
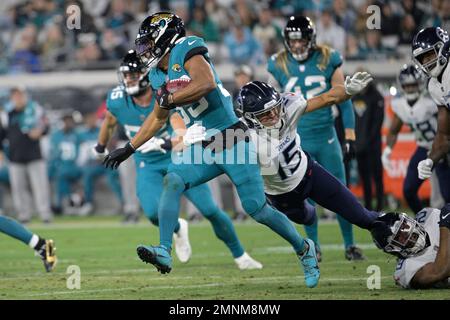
(34, 36)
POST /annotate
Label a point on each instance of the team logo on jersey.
(360, 107)
(176, 67)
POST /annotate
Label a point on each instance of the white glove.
(154, 144)
(424, 168)
(357, 82)
(194, 134)
(98, 155)
(386, 158)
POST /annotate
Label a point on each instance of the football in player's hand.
(177, 84)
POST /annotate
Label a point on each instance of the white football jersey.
(407, 268)
(421, 117)
(283, 163)
(440, 91)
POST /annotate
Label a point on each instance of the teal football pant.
(326, 150)
(64, 177)
(239, 162)
(149, 186)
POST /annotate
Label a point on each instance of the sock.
(279, 223)
(346, 230)
(313, 233)
(169, 208)
(224, 230)
(15, 229)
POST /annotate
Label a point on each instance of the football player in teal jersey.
(129, 104)
(164, 47)
(303, 66)
(63, 156)
(44, 249)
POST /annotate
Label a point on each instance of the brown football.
(177, 84)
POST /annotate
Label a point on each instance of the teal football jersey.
(65, 147)
(132, 116)
(307, 78)
(215, 110)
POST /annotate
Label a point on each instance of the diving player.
(422, 246)
(291, 175)
(163, 45)
(44, 249)
(431, 52)
(129, 104)
(420, 112)
(311, 69)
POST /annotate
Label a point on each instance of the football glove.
(424, 168)
(386, 158)
(115, 158)
(445, 216)
(348, 150)
(194, 134)
(357, 83)
(156, 144)
(164, 98)
(99, 151)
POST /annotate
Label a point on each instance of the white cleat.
(183, 248)
(245, 262)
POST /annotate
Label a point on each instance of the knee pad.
(173, 182)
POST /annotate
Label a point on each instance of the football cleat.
(48, 255)
(310, 265)
(245, 262)
(353, 253)
(182, 246)
(159, 256)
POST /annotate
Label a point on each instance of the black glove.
(115, 158)
(100, 148)
(348, 150)
(164, 98)
(167, 145)
(445, 216)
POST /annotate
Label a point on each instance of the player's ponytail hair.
(282, 60)
(325, 52)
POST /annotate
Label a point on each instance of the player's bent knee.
(173, 181)
(252, 206)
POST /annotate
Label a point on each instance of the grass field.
(110, 269)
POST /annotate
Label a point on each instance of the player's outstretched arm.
(438, 271)
(340, 93)
(441, 143)
(154, 122)
(109, 124)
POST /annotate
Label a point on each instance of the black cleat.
(353, 253)
(48, 255)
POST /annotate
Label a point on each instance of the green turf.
(110, 269)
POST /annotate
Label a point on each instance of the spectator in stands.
(445, 14)
(25, 57)
(245, 12)
(373, 49)
(23, 127)
(407, 30)
(202, 26)
(369, 114)
(329, 33)
(88, 51)
(87, 25)
(43, 12)
(218, 14)
(410, 7)
(119, 17)
(433, 18)
(53, 45)
(243, 47)
(113, 44)
(390, 25)
(352, 48)
(345, 16)
(64, 147)
(242, 75)
(267, 33)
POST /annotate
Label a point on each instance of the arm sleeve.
(348, 116)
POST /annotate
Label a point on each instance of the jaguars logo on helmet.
(157, 36)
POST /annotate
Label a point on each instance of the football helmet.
(430, 49)
(411, 81)
(133, 74)
(157, 35)
(400, 235)
(260, 104)
(300, 28)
